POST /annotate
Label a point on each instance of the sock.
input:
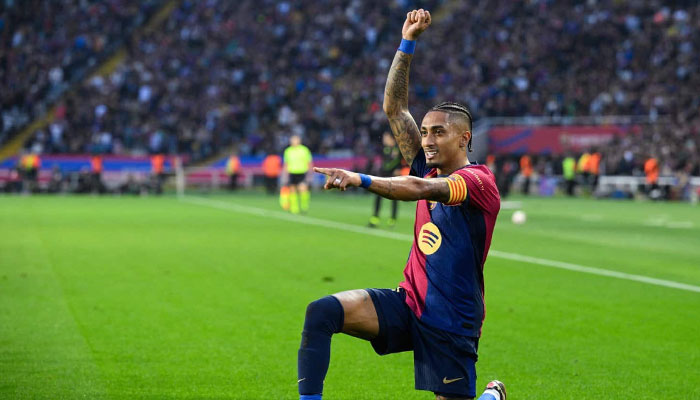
(284, 198)
(324, 317)
(294, 202)
(490, 394)
(305, 198)
(310, 397)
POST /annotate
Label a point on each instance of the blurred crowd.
(47, 45)
(251, 73)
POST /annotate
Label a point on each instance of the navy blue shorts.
(444, 362)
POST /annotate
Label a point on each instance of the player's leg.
(374, 219)
(444, 362)
(360, 315)
(304, 196)
(294, 198)
(495, 390)
(394, 212)
(350, 312)
(284, 197)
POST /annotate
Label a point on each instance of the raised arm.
(403, 126)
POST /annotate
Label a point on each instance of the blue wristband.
(407, 46)
(366, 181)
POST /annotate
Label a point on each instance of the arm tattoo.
(396, 107)
(397, 81)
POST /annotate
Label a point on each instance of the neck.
(452, 167)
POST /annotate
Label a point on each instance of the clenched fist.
(416, 22)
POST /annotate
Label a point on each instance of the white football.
(519, 217)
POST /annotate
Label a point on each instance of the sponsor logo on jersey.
(429, 238)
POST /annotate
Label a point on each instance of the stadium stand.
(47, 46)
(250, 73)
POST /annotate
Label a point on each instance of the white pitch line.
(294, 218)
(403, 237)
(593, 270)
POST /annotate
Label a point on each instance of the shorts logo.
(429, 238)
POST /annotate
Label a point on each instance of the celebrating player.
(438, 309)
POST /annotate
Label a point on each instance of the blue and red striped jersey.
(444, 279)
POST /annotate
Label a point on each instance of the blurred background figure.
(157, 173)
(30, 163)
(390, 166)
(583, 168)
(594, 163)
(96, 174)
(568, 166)
(526, 173)
(233, 166)
(491, 163)
(297, 164)
(651, 171)
(284, 197)
(56, 183)
(272, 168)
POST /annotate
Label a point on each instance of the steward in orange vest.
(272, 168)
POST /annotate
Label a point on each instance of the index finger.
(324, 171)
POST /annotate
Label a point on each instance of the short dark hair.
(456, 108)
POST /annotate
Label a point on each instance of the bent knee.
(325, 314)
(361, 318)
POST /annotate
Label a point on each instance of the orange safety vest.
(272, 166)
(594, 163)
(232, 165)
(584, 163)
(30, 161)
(526, 166)
(24, 161)
(96, 164)
(651, 169)
(157, 163)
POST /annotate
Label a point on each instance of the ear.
(464, 139)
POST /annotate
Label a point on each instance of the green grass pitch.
(160, 298)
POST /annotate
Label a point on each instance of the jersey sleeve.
(458, 189)
(418, 167)
(475, 185)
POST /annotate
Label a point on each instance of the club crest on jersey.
(432, 204)
(429, 238)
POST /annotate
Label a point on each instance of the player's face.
(440, 140)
